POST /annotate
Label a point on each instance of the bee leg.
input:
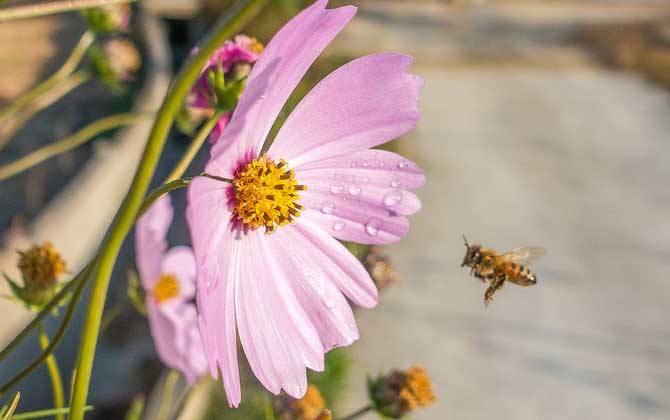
(496, 284)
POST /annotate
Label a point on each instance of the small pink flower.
(242, 50)
(269, 264)
(168, 277)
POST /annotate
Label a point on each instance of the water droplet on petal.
(354, 190)
(336, 189)
(403, 164)
(395, 183)
(372, 226)
(366, 164)
(330, 303)
(338, 226)
(392, 198)
(327, 207)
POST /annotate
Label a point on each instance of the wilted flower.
(310, 407)
(380, 268)
(168, 278)
(116, 62)
(41, 267)
(108, 19)
(269, 264)
(400, 392)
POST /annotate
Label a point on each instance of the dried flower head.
(310, 407)
(401, 392)
(41, 266)
(380, 268)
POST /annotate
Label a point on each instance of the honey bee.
(487, 264)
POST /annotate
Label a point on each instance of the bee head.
(472, 254)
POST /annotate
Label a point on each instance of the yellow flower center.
(418, 390)
(266, 194)
(41, 265)
(166, 288)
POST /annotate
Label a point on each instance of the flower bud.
(108, 19)
(310, 407)
(116, 62)
(401, 392)
(41, 267)
(380, 268)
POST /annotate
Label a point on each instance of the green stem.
(167, 394)
(46, 311)
(45, 413)
(66, 69)
(163, 189)
(194, 147)
(358, 413)
(54, 374)
(51, 7)
(65, 145)
(64, 86)
(80, 282)
(126, 215)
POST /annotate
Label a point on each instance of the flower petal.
(217, 254)
(277, 336)
(150, 244)
(274, 76)
(345, 271)
(353, 221)
(313, 278)
(364, 103)
(370, 167)
(180, 262)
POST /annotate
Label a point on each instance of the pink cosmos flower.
(243, 49)
(169, 280)
(270, 267)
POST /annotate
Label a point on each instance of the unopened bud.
(401, 392)
(310, 407)
(116, 62)
(108, 19)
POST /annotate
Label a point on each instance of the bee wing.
(524, 255)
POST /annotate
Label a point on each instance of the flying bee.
(486, 264)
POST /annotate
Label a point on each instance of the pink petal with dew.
(274, 76)
(313, 278)
(345, 270)
(217, 253)
(353, 221)
(374, 167)
(180, 262)
(278, 338)
(150, 244)
(364, 103)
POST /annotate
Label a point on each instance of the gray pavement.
(574, 161)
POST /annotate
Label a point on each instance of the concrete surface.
(574, 159)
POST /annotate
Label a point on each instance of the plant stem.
(45, 413)
(167, 393)
(46, 311)
(80, 282)
(52, 7)
(54, 373)
(66, 69)
(195, 145)
(358, 413)
(63, 87)
(77, 139)
(163, 189)
(126, 215)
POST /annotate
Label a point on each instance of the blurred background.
(544, 122)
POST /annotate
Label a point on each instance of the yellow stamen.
(166, 288)
(266, 194)
(418, 390)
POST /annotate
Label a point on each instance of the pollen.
(166, 288)
(41, 266)
(266, 194)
